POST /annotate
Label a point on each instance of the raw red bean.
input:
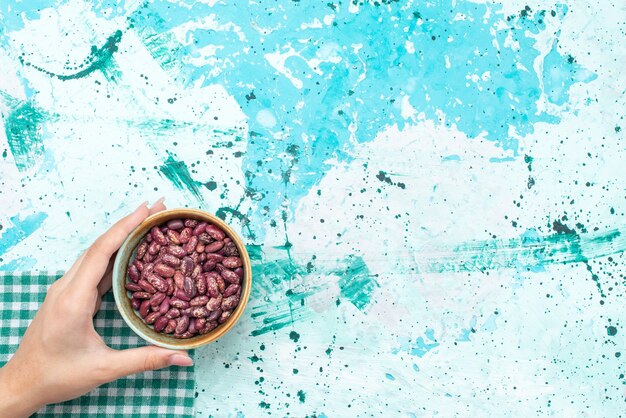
(164, 270)
(148, 258)
(180, 294)
(215, 303)
(217, 258)
(179, 279)
(142, 295)
(221, 286)
(185, 235)
(209, 265)
(231, 290)
(200, 323)
(185, 312)
(201, 284)
(154, 308)
(192, 326)
(229, 250)
(157, 235)
(202, 258)
(171, 260)
(147, 269)
(191, 223)
(190, 246)
(230, 276)
(195, 257)
(170, 286)
(214, 247)
(232, 262)
(173, 237)
(138, 264)
(179, 303)
(157, 299)
(146, 286)
(205, 238)
(227, 240)
(182, 324)
(184, 335)
(189, 287)
(177, 251)
(175, 224)
(199, 311)
(152, 317)
(199, 229)
(211, 284)
(157, 282)
(173, 313)
(196, 271)
(144, 308)
(199, 300)
(224, 317)
(215, 233)
(171, 326)
(229, 302)
(148, 238)
(154, 248)
(164, 229)
(187, 266)
(133, 287)
(200, 248)
(135, 303)
(165, 306)
(239, 272)
(160, 323)
(133, 273)
(141, 250)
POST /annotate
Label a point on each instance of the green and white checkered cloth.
(167, 392)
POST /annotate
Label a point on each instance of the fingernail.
(180, 360)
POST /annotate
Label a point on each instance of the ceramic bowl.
(127, 253)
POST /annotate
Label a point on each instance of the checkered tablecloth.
(168, 392)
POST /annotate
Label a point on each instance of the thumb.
(136, 360)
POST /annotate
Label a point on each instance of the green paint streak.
(178, 173)
(357, 284)
(99, 59)
(295, 337)
(23, 128)
(301, 396)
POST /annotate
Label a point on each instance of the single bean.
(200, 323)
(221, 285)
(142, 295)
(182, 325)
(138, 264)
(201, 284)
(184, 335)
(205, 238)
(154, 248)
(135, 303)
(175, 224)
(148, 258)
(196, 271)
(180, 294)
(164, 270)
(146, 286)
(224, 317)
(189, 287)
(171, 260)
(179, 279)
(214, 303)
(164, 228)
(227, 240)
(214, 247)
(229, 250)
(202, 258)
(133, 273)
(161, 253)
(173, 237)
(215, 233)
(230, 302)
(144, 308)
(190, 223)
(148, 268)
(199, 300)
(211, 284)
(141, 250)
(187, 266)
(173, 313)
(179, 303)
(199, 229)
(185, 235)
(231, 290)
(185, 312)
(157, 299)
(165, 306)
(152, 317)
(190, 246)
(200, 248)
(160, 323)
(157, 235)
(230, 276)
(177, 251)
(171, 326)
(199, 311)
(192, 326)
(157, 282)
(239, 272)
(232, 262)
(195, 257)
(170, 286)
(133, 287)
(209, 265)
(217, 258)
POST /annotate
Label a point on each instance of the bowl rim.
(119, 279)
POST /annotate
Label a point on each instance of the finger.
(136, 360)
(99, 254)
(67, 277)
(158, 206)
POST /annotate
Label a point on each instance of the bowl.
(127, 252)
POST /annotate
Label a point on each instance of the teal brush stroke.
(98, 59)
(21, 229)
(23, 128)
(357, 283)
(178, 173)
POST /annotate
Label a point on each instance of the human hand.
(61, 356)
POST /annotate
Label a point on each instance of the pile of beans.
(185, 278)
